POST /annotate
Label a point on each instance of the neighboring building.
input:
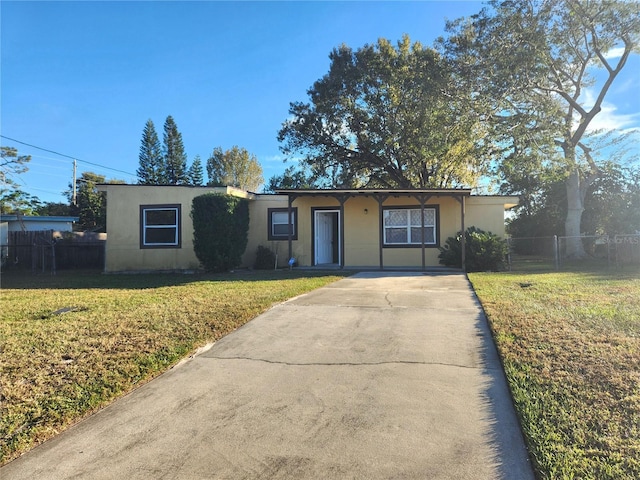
(149, 227)
(27, 223)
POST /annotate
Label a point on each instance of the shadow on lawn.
(596, 274)
(529, 264)
(88, 279)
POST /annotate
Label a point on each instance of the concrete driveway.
(377, 376)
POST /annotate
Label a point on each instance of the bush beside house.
(265, 259)
(220, 230)
(484, 251)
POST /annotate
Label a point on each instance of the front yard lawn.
(570, 344)
(71, 343)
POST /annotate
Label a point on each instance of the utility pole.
(74, 183)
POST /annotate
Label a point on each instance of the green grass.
(72, 343)
(570, 344)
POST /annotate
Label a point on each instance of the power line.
(47, 166)
(47, 191)
(53, 159)
(67, 156)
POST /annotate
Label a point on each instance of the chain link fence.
(557, 253)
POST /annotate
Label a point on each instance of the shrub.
(220, 230)
(483, 251)
(265, 259)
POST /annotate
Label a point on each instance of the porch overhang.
(374, 192)
(380, 195)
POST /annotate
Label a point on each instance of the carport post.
(463, 246)
(290, 230)
(381, 198)
(422, 230)
(342, 199)
(423, 200)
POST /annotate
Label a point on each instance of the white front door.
(326, 237)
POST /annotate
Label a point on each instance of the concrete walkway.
(377, 376)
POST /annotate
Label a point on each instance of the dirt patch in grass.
(570, 344)
(74, 342)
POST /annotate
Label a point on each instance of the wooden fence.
(48, 250)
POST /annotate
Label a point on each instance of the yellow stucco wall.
(362, 231)
(361, 227)
(123, 252)
(259, 231)
(487, 213)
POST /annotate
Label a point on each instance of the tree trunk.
(575, 206)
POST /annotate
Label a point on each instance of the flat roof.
(229, 190)
(36, 218)
(458, 192)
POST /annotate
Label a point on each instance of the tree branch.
(605, 88)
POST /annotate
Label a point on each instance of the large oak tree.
(386, 116)
(544, 68)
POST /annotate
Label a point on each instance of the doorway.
(326, 237)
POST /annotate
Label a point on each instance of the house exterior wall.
(487, 213)
(362, 234)
(259, 231)
(123, 252)
(361, 237)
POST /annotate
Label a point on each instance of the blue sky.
(82, 78)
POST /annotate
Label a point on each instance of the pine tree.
(151, 169)
(175, 159)
(196, 172)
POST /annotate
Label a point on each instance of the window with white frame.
(403, 226)
(160, 226)
(279, 226)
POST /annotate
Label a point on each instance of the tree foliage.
(18, 201)
(166, 164)
(235, 168)
(11, 164)
(612, 205)
(195, 174)
(543, 214)
(55, 209)
(91, 205)
(291, 178)
(541, 71)
(175, 158)
(221, 228)
(151, 170)
(386, 116)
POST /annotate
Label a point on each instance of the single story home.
(149, 227)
